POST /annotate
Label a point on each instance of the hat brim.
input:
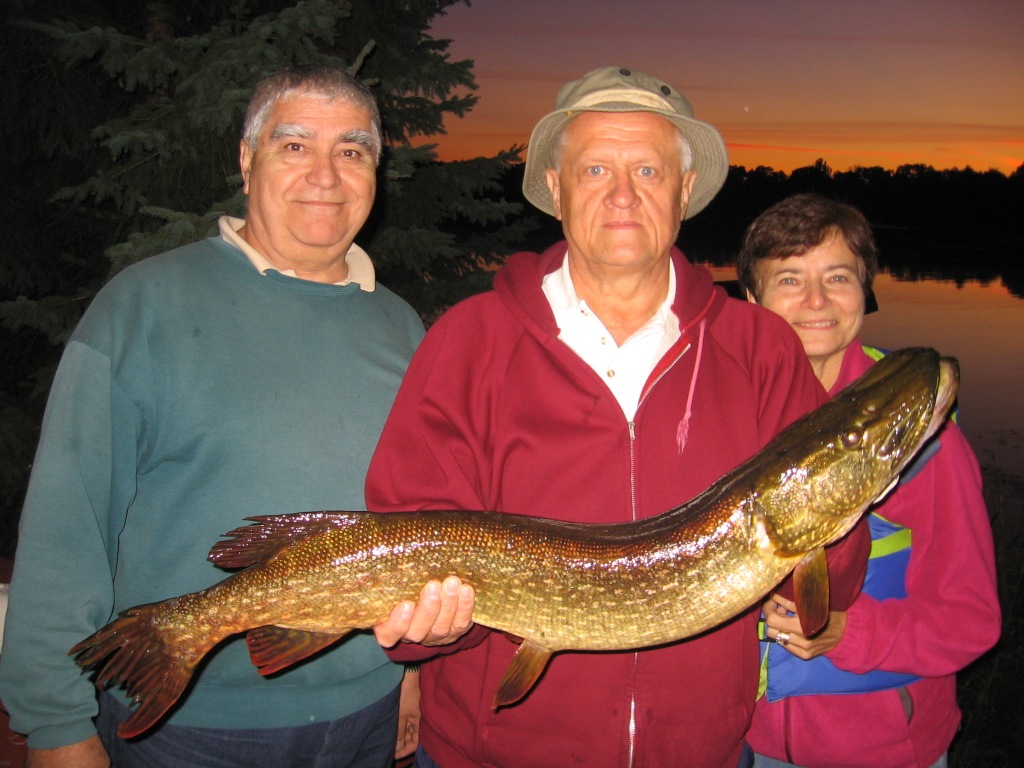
(710, 159)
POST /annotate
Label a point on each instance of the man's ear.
(551, 177)
(687, 187)
(750, 298)
(245, 163)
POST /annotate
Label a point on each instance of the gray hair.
(328, 83)
(685, 150)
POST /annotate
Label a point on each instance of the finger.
(464, 612)
(790, 631)
(769, 605)
(393, 629)
(782, 622)
(784, 604)
(408, 740)
(427, 610)
(449, 606)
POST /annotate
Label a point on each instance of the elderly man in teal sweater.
(250, 373)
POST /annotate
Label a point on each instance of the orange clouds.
(869, 83)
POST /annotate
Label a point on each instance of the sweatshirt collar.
(360, 267)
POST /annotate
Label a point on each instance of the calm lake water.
(982, 325)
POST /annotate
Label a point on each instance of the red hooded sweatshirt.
(949, 617)
(496, 413)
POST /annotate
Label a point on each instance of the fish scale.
(310, 578)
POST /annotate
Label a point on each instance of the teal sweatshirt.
(196, 392)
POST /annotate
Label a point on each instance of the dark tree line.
(954, 224)
(957, 224)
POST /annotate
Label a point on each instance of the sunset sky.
(855, 82)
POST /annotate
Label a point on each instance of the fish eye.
(852, 438)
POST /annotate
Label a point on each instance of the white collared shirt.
(360, 267)
(624, 369)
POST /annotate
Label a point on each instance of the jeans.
(423, 759)
(760, 761)
(364, 739)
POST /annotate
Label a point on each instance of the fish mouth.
(909, 432)
(947, 381)
(866, 436)
(945, 393)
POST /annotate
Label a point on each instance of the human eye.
(594, 170)
(646, 171)
(790, 284)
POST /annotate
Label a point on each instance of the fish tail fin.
(525, 668)
(132, 651)
(273, 648)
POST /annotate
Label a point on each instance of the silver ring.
(782, 638)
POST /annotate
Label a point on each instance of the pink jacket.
(949, 618)
(496, 413)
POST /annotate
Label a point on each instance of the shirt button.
(611, 373)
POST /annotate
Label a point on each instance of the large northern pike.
(312, 578)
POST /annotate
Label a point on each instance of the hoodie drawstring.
(683, 430)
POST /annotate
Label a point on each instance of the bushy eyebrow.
(360, 138)
(356, 136)
(289, 130)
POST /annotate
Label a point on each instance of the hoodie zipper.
(631, 426)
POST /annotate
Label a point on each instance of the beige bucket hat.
(619, 89)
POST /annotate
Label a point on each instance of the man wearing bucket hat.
(604, 380)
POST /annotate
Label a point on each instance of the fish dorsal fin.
(269, 534)
(810, 582)
(274, 648)
(526, 666)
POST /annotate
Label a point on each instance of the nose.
(816, 295)
(322, 172)
(622, 193)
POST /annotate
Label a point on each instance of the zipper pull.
(632, 430)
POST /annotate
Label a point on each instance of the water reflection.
(979, 323)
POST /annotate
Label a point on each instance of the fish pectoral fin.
(526, 666)
(273, 648)
(810, 582)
